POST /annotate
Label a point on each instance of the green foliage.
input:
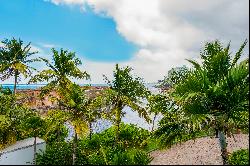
(101, 149)
(33, 126)
(213, 96)
(60, 153)
(5, 91)
(176, 127)
(12, 116)
(130, 137)
(125, 90)
(82, 110)
(175, 75)
(217, 88)
(158, 103)
(118, 156)
(55, 131)
(15, 59)
(239, 157)
(64, 66)
(129, 149)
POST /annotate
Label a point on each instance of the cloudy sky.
(152, 36)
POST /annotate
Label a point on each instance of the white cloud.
(46, 45)
(168, 31)
(36, 49)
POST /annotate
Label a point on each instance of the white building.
(22, 152)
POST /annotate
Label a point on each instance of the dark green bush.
(119, 156)
(239, 157)
(60, 153)
(101, 149)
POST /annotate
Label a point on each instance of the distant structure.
(32, 99)
(22, 152)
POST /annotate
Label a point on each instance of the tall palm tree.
(123, 91)
(64, 66)
(15, 60)
(82, 112)
(219, 87)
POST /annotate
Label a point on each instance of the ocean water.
(36, 86)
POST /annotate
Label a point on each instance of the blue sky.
(89, 35)
(151, 36)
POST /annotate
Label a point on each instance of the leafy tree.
(15, 60)
(64, 66)
(11, 117)
(124, 91)
(130, 149)
(157, 104)
(217, 90)
(175, 75)
(82, 112)
(55, 130)
(99, 150)
(33, 125)
(60, 153)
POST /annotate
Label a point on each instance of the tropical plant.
(123, 91)
(99, 150)
(130, 149)
(239, 157)
(175, 75)
(82, 112)
(64, 66)
(11, 117)
(157, 104)
(55, 131)
(15, 60)
(33, 126)
(60, 153)
(216, 91)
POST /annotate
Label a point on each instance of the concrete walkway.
(202, 151)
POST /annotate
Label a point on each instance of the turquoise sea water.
(36, 86)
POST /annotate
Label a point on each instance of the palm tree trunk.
(118, 121)
(223, 146)
(74, 148)
(90, 130)
(15, 81)
(34, 151)
(153, 123)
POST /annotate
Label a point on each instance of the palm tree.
(15, 60)
(82, 112)
(33, 125)
(156, 104)
(64, 66)
(123, 91)
(219, 88)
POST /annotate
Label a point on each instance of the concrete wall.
(22, 156)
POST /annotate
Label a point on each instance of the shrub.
(239, 157)
(129, 150)
(60, 153)
(101, 149)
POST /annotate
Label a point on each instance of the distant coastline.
(36, 86)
